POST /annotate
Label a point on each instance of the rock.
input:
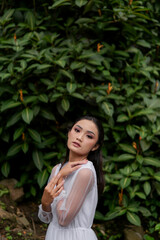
(22, 221)
(5, 214)
(132, 232)
(16, 194)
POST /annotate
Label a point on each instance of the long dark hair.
(94, 156)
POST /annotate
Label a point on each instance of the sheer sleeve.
(44, 216)
(70, 203)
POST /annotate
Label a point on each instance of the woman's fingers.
(79, 163)
(59, 186)
(58, 192)
(54, 180)
(58, 189)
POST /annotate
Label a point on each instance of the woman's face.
(83, 137)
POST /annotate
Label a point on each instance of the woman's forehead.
(87, 125)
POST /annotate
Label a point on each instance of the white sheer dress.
(73, 210)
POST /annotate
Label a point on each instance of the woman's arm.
(68, 207)
(69, 168)
(50, 192)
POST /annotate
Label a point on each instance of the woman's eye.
(76, 130)
(89, 136)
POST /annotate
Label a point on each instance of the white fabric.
(73, 210)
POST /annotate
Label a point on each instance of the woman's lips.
(76, 144)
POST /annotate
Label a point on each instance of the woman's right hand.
(50, 192)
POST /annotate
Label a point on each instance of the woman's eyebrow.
(87, 131)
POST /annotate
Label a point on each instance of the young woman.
(70, 198)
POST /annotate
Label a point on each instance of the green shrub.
(63, 59)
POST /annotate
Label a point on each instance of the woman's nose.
(79, 138)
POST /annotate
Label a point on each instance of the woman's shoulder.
(56, 169)
(88, 165)
(86, 172)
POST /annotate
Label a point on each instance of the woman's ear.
(95, 147)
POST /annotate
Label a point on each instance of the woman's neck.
(73, 157)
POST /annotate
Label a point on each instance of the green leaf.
(23, 64)
(133, 218)
(81, 3)
(65, 104)
(59, 3)
(38, 159)
(42, 178)
(99, 216)
(151, 161)
(55, 96)
(50, 155)
(123, 157)
(125, 182)
(132, 208)
(67, 74)
(136, 174)
(61, 62)
(157, 187)
(111, 215)
(25, 147)
(34, 135)
(147, 188)
(7, 16)
(122, 118)
(152, 103)
(9, 104)
(27, 115)
(30, 99)
(43, 66)
(77, 65)
(127, 170)
(107, 108)
(139, 159)
(14, 119)
(5, 169)
(143, 112)
(118, 211)
(147, 237)
(49, 141)
(117, 136)
(127, 148)
(157, 176)
(145, 212)
(121, 53)
(145, 145)
(157, 227)
(18, 133)
(144, 43)
(87, 54)
(141, 195)
(77, 95)
(47, 114)
(33, 191)
(43, 98)
(131, 131)
(31, 20)
(14, 149)
(71, 87)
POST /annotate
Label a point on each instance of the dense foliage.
(64, 58)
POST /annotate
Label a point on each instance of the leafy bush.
(63, 59)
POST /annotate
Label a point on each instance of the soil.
(10, 229)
